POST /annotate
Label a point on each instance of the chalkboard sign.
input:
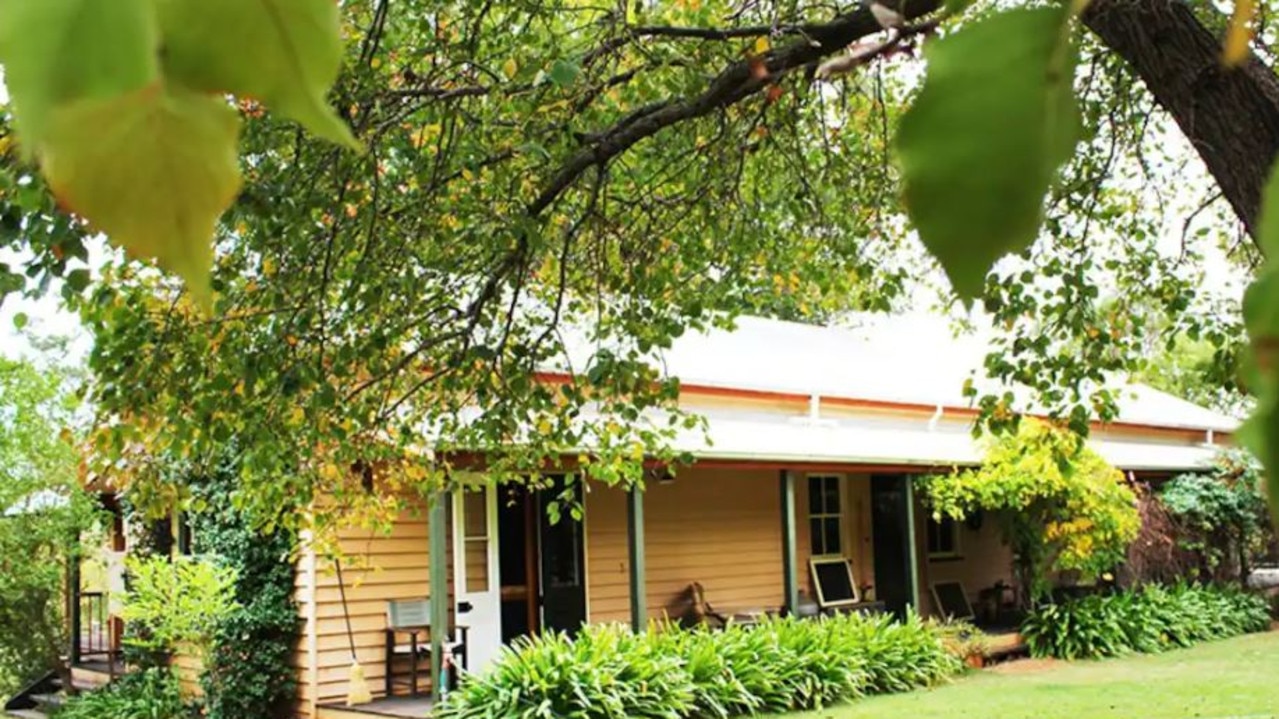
(833, 580)
(951, 600)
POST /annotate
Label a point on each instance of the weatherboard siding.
(377, 567)
(719, 527)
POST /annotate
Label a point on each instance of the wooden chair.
(701, 612)
(411, 619)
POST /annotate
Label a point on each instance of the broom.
(358, 689)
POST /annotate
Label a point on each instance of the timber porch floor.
(415, 707)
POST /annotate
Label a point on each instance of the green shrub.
(1151, 619)
(178, 600)
(774, 666)
(147, 694)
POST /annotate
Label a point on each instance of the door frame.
(535, 498)
(492, 596)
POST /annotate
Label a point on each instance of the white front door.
(475, 567)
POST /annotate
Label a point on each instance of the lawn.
(1231, 679)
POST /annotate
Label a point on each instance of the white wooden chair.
(411, 619)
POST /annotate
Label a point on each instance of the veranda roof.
(799, 440)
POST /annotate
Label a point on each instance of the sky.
(46, 317)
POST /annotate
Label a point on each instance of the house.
(815, 438)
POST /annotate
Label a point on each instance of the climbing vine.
(248, 672)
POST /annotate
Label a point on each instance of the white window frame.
(840, 517)
(956, 551)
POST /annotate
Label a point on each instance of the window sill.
(942, 558)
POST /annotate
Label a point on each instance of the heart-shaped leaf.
(980, 146)
(285, 53)
(154, 175)
(60, 50)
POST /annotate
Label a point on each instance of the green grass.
(1231, 679)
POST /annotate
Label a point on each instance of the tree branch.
(710, 33)
(736, 83)
(1230, 116)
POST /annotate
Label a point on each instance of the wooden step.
(49, 701)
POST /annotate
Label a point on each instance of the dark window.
(943, 537)
(825, 516)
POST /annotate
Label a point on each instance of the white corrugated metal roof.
(913, 359)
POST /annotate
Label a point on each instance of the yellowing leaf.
(154, 173)
(59, 50)
(761, 44)
(509, 68)
(1239, 33)
(285, 53)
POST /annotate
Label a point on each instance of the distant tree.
(1221, 515)
(42, 513)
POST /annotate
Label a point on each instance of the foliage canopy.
(640, 169)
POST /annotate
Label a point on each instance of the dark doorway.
(517, 562)
(563, 571)
(894, 584)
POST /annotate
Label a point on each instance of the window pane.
(831, 538)
(560, 553)
(814, 495)
(477, 566)
(815, 536)
(941, 536)
(475, 505)
(832, 495)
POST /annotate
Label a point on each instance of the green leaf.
(77, 279)
(286, 53)
(54, 51)
(563, 73)
(1272, 482)
(1260, 433)
(1261, 307)
(1268, 217)
(981, 145)
(20, 320)
(156, 173)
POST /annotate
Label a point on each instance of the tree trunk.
(1230, 116)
